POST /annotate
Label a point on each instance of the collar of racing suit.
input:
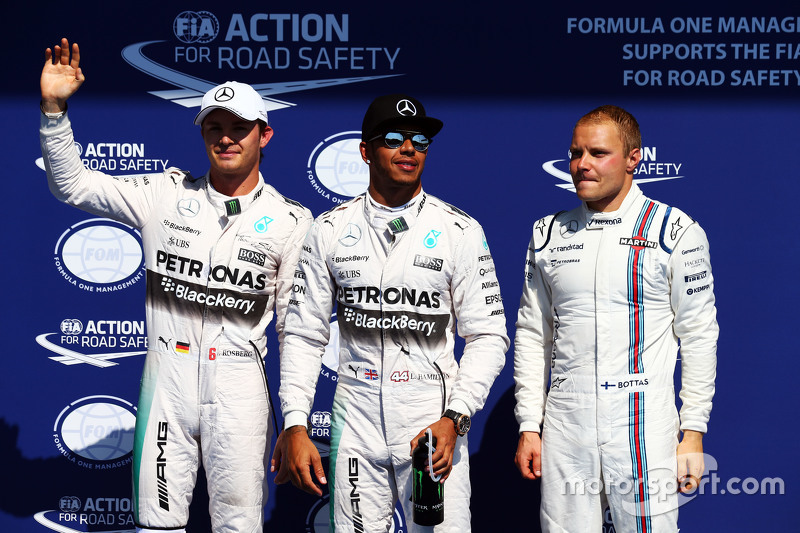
(380, 215)
(630, 199)
(219, 200)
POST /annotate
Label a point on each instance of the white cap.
(237, 98)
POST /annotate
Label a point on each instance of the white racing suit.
(399, 294)
(607, 298)
(216, 269)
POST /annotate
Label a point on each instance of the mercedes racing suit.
(607, 298)
(402, 281)
(216, 267)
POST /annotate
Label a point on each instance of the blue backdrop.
(715, 89)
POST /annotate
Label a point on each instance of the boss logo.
(432, 263)
(250, 256)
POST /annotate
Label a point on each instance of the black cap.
(392, 109)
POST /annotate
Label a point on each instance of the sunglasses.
(395, 139)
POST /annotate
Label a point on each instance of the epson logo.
(250, 256)
(493, 299)
(391, 295)
(432, 263)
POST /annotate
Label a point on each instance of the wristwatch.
(462, 422)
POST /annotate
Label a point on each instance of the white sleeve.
(287, 272)
(127, 199)
(695, 324)
(532, 343)
(481, 322)
(307, 329)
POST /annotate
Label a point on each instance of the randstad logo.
(649, 169)
(335, 168)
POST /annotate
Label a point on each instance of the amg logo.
(637, 242)
(355, 497)
(252, 257)
(161, 466)
(695, 277)
(433, 263)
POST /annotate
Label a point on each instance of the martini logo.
(335, 168)
(97, 343)
(649, 169)
(100, 255)
(96, 432)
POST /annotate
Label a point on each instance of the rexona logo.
(117, 158)
(335, 168)
(649, 169)
(95, 342)
(90, 513)
(100, 255)
(96, 432)
(282, 46)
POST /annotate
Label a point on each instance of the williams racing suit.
(607, 298)
(216, 267)
(402, 281)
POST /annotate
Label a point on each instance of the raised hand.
(61, 76)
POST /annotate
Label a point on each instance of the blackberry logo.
(168, 284)
(372, 320)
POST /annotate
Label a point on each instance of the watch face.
(464, 424)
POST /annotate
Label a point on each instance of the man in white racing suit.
(611, 288)
(403, 269)
(220, 253)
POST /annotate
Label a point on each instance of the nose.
(583, 161)
(407, 147)
(226, 138)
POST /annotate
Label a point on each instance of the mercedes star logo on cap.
(405, 108)
(223, 94)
